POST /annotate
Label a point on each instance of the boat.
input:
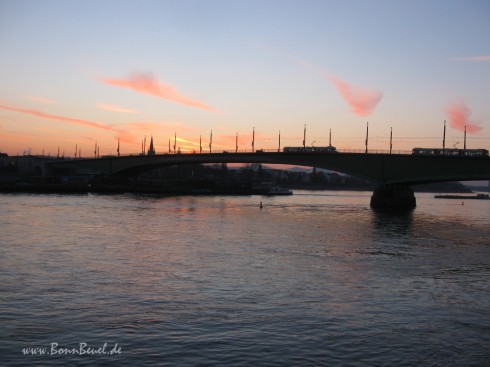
(474, 197)
(276, 190)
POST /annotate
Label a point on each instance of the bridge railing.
(226, 151)
(375, 151)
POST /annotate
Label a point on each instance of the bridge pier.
(396, 198)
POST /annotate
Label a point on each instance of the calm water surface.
(314, 279)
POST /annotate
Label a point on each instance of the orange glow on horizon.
(122, 135)
(26, 136)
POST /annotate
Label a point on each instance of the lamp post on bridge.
(465, 137)
(391, 139)
(367, 135)
(304, 137)
(444, 137)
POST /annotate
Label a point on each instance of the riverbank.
(195, 189)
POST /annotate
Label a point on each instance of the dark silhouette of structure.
(394, 174)
(151, 149)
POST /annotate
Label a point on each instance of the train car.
(451, 152)
(329, 149)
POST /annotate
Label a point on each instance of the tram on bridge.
(329, 149)
(451, 152)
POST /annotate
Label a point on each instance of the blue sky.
(76, 72)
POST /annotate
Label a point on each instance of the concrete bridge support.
(391, 197)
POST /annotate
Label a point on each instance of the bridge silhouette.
(393, 174)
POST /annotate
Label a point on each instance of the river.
(312, 279)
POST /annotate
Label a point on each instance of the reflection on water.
(311, 279)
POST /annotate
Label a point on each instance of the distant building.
(151, 150)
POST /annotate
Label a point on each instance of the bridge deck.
(381, 167)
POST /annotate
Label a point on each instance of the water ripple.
(311, 280)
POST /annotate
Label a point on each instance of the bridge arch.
(386, 170)
(38, 170)
(399, 169)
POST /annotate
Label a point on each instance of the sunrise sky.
(74, 73)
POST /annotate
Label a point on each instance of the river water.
(313, 279)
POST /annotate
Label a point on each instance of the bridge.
(394, 174)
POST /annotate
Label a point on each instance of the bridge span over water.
(381, 168)
(393, 173)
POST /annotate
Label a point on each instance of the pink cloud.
(362, 102)
(35, 113)
(124, 136)
(112, 108)
(473, 58)
(148, 84)
(40, 99)
(458, 114)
